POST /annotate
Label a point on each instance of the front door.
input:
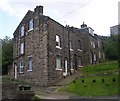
(65, 69)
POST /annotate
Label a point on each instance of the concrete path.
(53, 94)
(68, 79)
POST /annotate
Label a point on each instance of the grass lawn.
(95, 85)
(100, 68)
(91, 88)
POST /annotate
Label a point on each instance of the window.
(22, 31)
(80, 62)
(71, 47)
(30, 25)
(22, 48)
(29, 63)
(71, 63)
(98, 43)
(93, 44)
(99, 54)
(21, 67)
(79, 45)
(91, 31)
(57, 41)
(94, 57)
(58, 63)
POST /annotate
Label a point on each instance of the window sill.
(80, 50)
(30, 30)
(21, 72)
(71, 49)
(58, 47)
(29, 70)
(58, 69)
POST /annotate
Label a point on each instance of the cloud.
(99, 14)
(6, 7)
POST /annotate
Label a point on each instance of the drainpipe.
(69, 50)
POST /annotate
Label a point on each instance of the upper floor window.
(22, 31)
(29, 63)
(58, 63)
(71, 46)
(79, 45)
(22, 48)
(21, 67)
(30, 25)
(93, 44)
(98, 43)
(58, 41)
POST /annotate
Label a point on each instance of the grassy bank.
(101, 68)
(94, 85)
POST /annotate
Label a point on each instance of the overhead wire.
(76, 9)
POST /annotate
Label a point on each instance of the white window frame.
(93, 44)
(71, 64)
(21, 67)
(94, 57)
(58, 42)
(30, 65)
(79, 44)
(71, 47)
(58, 63)
(30, 25)
(22, 48)
(98, 43)
(99, 54)
(22, 30)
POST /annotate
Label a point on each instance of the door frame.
(15, 70)
(65, 68)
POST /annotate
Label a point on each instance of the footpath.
(53, 94)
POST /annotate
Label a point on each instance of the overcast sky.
(98, 14)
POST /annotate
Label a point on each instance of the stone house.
(45, 51)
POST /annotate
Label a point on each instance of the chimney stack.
(39, 10)
(83, 25)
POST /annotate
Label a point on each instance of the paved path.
(68, 79)
(52, 92)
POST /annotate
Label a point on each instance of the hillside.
(98, 80)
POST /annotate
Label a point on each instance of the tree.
(111, 47)
(7, 53)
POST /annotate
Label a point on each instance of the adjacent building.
(45, 51)
(114, 30)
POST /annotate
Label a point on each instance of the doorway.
(65, 69)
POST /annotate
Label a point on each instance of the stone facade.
(38, 54)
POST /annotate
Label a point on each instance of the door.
(65, 69)
(15, 71)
